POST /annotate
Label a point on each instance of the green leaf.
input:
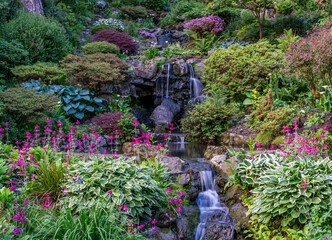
(79, 115)
(316, 200)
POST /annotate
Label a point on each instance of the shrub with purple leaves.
(212, 24)
(147, 34)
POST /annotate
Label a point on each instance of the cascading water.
(160, 81)
(212, 211)
(196, 86)
(167, 78)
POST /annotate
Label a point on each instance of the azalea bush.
(211, 24)
(131, 184)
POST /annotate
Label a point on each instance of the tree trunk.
(33, 6)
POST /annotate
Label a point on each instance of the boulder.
(173, 164)
(219, 231)
(165, 39)
(165, 113)
(239, 213)
(180, 68)
(187, 222)
(184, 179)
(146, 70)
(166, 218)
(160, 234)
(101, 4)
(223, 167)
(234, 193)
(212, 151)
(137, 149)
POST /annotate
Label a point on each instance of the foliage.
(182, 10)
(76, 103)
(117, 103)
(114, 24)
(228, 44)
(92, 71)
(296, 23)
(325, 102)
(11, 54)
(206, 121)
(98, 28)
(4, 172)
(311, 57)
(286, 39)
(151, 53)
(157, 5)
(98, 222)
(285, 6)
(211, 24)
(258, 60)
(46, 72)
(100, 47)
(294, 186)
(44, 39)
(135, 11)
(201, 45)
(49, 174)
(27, 105)
(126, 127)
(122, 40)
(134, 185)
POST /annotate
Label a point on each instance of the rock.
(219, 231)
(138, 149)
(239, 212)
(212, 151)
(101, 4)
(223, 167)
(234, 193)
(103, 142)
(173, 164)
(166, 218)
(180, 68)
(178, 34)
(165, 113)
(193, 193)
(147, 70)
(184, 179)
(160, 234)
(165, 39)
(187, 222)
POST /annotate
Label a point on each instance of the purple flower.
(147, 34)
(212, 24)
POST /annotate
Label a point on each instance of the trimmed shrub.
(11, 55)
(241, 69)
(285, 6)
(27, 105)
(100, 47)
(92, 71)
(45, 39)
(114, 24)
(122, 40)
(98, 28)
(46, 72)
(157, 5)
(135, 11)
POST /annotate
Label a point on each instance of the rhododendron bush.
(211, 24)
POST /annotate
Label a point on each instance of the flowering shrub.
(211, 24)
(311, 57)
(131, 184)
(92, 71)
(147, 34)
(114, 24)
(100, 47)
(122, 40)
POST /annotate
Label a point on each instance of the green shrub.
(285, 6)
(114, 24)
(135, 11)
(297, 24)
(92, 71)
(11, 55)
(241, 69)
(44, 39)
(100, 47)
(206, 121)
(131, 2)
(287, 189)
(98, 28)
(46, 72)
(157, 5)
(131, 184)
(26, 105)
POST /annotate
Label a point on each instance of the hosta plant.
(287, 189)
(138, 186)
(76, 103)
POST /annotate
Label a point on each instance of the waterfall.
(167, 78)
(211, 209)
(196, 86)
(160, 81)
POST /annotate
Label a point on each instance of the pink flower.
(168, 190)
(12, 188)
(154, 228)
(25, 202)
(16, 231)
(109, 192)
(179, 209)
(154, 221)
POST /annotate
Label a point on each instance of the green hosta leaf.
(295, 214)
(79, 115)
(98, 100)
(84, 92)
(302, 219)
(282, 210)
(87, 98)
(89, 108)
(316, 200)
(66, 108)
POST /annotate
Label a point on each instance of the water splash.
(196, 86)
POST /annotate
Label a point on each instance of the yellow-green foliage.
(240, 69)
(135, 11)
(100, 47)
(44, 71)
